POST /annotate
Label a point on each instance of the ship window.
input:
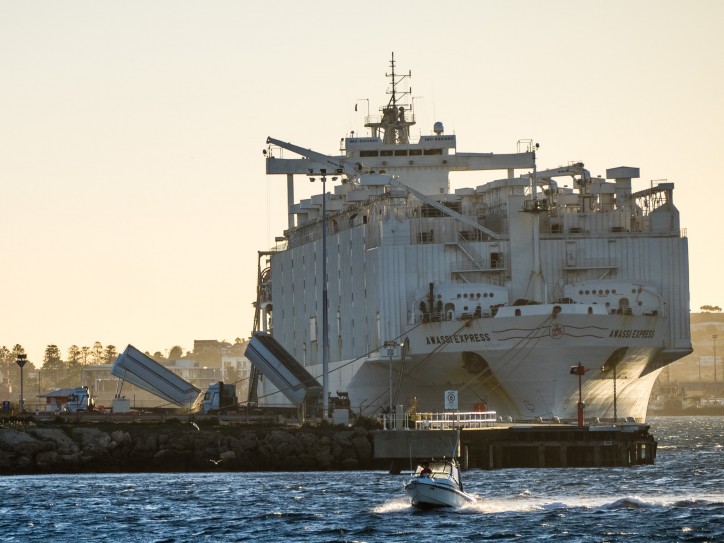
(465, 295)
(606, 291)
(608, 304)
(491, 294)
(613, 291)
(640, 302)
(368, 153)
(633, 291)
(458, 295)
(590, 310)
(580, 292)
(517, 312)
(415, 152)
(588, 292)
(401, 152)
(428, 152)
(387, 152)
(485, 295)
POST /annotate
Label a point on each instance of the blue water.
(680, 498)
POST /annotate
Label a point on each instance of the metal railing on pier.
(454, 420)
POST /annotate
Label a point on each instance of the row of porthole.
(599, 292)
(477, 295)
(613, 291)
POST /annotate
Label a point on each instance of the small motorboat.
(437, 484)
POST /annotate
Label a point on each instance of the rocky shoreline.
(174, 446)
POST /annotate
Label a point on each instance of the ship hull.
(517, 366)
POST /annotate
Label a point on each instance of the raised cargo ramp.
(282, 369)
(144, 372)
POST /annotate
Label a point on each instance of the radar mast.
(397, 117)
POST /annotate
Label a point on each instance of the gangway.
(144, 372)
(282, 369)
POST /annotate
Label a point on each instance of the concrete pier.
(523, 446)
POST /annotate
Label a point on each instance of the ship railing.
(454, 420)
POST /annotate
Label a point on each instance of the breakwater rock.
(100, 448)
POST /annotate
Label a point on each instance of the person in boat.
(425, 471)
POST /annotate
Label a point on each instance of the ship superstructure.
(493, 291)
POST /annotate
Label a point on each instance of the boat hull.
(426, 493)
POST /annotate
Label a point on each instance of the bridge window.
(368, 153)
(401, 152)
(386, 153)
(428, 152)
(415, 152)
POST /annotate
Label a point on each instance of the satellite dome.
(438, 128)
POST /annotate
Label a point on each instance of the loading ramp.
(283, 370)
(144, 372)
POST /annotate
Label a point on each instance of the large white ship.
(493, 291)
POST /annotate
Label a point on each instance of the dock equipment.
(144, 372)
(283, 370)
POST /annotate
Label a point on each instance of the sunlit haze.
(134, 193)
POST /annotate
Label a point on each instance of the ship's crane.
(341, 167)
(545, 177)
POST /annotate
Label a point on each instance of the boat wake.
(393, 506)
(527, 504)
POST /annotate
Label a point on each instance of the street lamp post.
(714, 336)
(615, 418)
(325, 327)
(390, 346)
(21, 361)
(580, 371)
(604, 368)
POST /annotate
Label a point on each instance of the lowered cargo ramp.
(144, 372)
(283, 370)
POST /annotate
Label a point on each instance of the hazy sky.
(134, 195)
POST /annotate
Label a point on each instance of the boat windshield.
(435, 469)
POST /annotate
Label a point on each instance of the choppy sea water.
(680, 498)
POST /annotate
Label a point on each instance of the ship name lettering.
(458, 338)
(632, 334)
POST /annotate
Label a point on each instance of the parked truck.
(79, 400)
(219, 398)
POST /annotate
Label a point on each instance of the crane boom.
(339, 166)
